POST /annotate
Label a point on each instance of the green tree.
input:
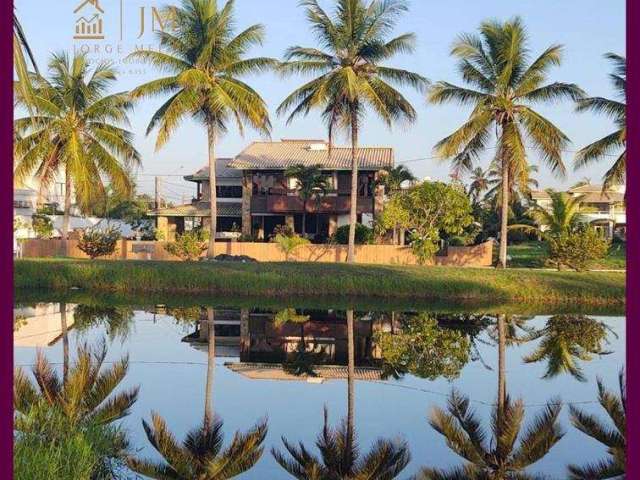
(201, 455)
(205, 58)
(479, 183)
(311, 184)
(564, 341)
(351, 75)
(613, 438)
(394, 217)
(74, 126)
(519, 188)
(503, 83)
(434, 207)
(22, 56)
(564, 216)
(617, 111)
(84, 393)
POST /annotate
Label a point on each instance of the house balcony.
(600, 216)
(289, 202)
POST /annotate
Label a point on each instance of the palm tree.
(519, 189)
(479, 183)
(566, 339)
(310, 183)
(21, 53)
(200, 455)
(503, 83)
(351, 76)
(205, 58)
(75, 126)
(616, 110)
(502, 457)
(393, 178)
(613, 438)
(564, 216)
(340, 457)
(85, 394)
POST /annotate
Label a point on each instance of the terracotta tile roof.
(200, 209)
(270, 371)
(589, 196)
(284, 154)
(222, 171)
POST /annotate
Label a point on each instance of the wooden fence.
(476, 256)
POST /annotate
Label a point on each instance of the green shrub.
(189, 246)
(364, 235)
(289, 244)
(42, 225)
(97, 242)
(48, 445)
(578, 249)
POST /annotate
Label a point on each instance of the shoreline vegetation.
(322, 280)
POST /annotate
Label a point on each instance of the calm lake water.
(289, 364)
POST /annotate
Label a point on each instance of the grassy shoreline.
(286, 280)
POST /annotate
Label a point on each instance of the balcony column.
(247, 191)
(333, 224)
(378, 197)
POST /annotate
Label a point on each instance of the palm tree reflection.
(201, 455)
(340, 457)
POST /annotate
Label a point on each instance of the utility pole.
(157, 192)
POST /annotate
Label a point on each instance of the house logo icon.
(89, 20)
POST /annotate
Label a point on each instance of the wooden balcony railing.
(292, 203)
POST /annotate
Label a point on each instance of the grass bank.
(533, 255)
(286, 280)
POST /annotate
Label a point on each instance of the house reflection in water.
(265, 343)
(42, 324)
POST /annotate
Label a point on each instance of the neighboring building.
(605, 211)
(254, 196)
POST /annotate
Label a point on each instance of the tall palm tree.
(564, 216)
(205, 58)
(565, 340)
(616, 141)
(503, 83)
(351, 76)
(75, 127)
(340, 457)
(311, 183)
(502, 457)
(200, 455)
(393, 178)
(85, 394)
(613, 438)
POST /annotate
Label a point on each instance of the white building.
(605, 211)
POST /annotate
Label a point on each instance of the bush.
(364, 235)
(49, 445)
(189, 246)
(289, 244)
(98, 242)
(577, 249)
(42, 225)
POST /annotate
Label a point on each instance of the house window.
(192, 223)
(21, 204)
(229, 191)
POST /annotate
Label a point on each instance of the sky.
(586, 28)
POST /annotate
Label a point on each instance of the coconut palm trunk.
(502, 346)
(353, 210)
(304, 217)
(211, 139)
(504, 213)
(65, 341)
(67, 211)
(350, 379)
(211, 365)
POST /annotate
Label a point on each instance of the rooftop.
(287, 153)
(200, 209)
(222, 171)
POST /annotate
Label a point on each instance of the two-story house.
(605, 211)
(254, 195)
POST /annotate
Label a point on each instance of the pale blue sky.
(587, 29)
